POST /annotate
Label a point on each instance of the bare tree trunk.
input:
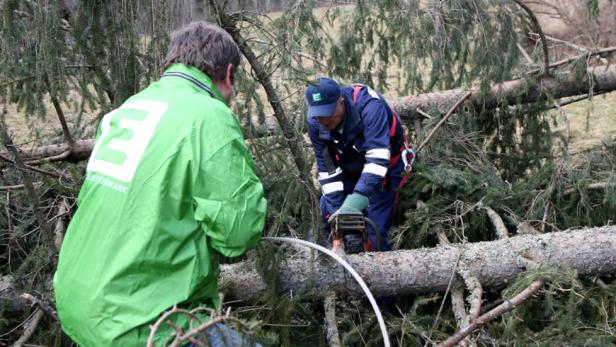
(588, 251)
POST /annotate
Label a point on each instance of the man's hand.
(353, 203)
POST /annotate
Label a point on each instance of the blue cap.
(322, 97)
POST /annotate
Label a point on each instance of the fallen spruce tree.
(590, 252)
(523, 90)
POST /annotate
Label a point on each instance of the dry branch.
(459, 310)
(42, 305)
(329, 305)
(591, 252)
(506, 306)
(30, 328)
(497, 221)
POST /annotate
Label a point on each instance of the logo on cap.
(316, 97)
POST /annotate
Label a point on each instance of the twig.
(546, 211)
(544, 43)
(203, 327)
(574, 46)
(60, 113)
(421, 112)
(443, 120)
(526, 56)
(60, 226)
(506, 306)
(30, 328)
(31, 168)
(591, 186)
(43, 305)
(577, 57)
(14, 187)
(154, 328)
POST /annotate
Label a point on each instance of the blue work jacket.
(356, 156)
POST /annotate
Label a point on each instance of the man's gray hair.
(204, 46)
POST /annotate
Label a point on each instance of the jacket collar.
(196, 77)
(351, 127)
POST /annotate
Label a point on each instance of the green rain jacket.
(170, 184)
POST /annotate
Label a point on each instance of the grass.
(588, 122)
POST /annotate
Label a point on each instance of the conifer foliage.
(64, 64)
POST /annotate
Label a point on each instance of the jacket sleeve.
(377, 145)
(330, 176)
(229, 200)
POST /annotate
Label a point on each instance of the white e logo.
(125, 134)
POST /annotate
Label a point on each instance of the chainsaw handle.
(377, 232)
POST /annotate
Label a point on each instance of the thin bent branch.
(506, 306)
(544, 42)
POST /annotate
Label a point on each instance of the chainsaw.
(349, 233)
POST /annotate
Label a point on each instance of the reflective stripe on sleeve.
(378, 153)
(326, 175)
(332, 187)
(375, 169)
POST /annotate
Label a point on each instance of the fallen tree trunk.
(597, 79)
(495, 264)
(591, 252)
(59, 152)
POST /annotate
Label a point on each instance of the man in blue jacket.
(361, 153)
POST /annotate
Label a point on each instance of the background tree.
(64, 64)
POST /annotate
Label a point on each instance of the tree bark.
(511, 92)
(495, 264)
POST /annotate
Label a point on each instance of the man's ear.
(229, 75)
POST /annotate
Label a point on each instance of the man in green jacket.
(169, 187)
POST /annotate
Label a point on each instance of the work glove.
(353, 203)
